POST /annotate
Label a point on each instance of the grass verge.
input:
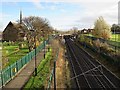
(42, 73)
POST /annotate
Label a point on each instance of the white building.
(119, 13)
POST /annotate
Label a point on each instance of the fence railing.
(9, 72)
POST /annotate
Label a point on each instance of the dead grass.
(62, 71)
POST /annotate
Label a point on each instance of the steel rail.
(90, 64)
(79, 65)
(100, 72)
(87, 66)
(98, 69)
(73, 68)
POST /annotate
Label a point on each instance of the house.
(84, 31)
(90, 30)
(14, 31)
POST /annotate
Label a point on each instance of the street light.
(32, 30)
(43, 41)
(115, 39)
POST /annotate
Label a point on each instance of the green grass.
(42, 73)
(14, 57)
(7, 50)
(88, 34)
(114, 40)
(115, 37)
(12, 53)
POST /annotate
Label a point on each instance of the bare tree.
(41, 27)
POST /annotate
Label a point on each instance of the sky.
(62, 14)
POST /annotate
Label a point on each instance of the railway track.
(87, 72)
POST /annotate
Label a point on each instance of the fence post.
(25, 60)
(21, 62)
(54, 75)
(10, 71)
(16, 66)
(1, 79)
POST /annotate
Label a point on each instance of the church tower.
(20, 17)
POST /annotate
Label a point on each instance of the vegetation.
(102, 29)
(115, 28)
(38, 28)
(11, 53)
(115, 37)
(42, 73)
(107, 47)
(104, 61)
(113, 42)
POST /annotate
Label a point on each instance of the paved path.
(23, 76)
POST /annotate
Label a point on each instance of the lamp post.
(48, 37)
(115, 39)
(35, 50)
(44, 46)
(43, 41)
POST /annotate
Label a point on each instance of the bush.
(82, 38)
(97, 43)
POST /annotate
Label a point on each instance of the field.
(115, 37)
(12, 53)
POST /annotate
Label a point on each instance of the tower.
(20, 17)
(119, 13)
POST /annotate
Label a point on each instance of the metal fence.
(9, 72)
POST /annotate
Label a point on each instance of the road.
(87, 72)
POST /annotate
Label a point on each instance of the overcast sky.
(62, 14)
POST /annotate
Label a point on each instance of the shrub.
(82, 38)
(97, 43)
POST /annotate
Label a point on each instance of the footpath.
(23, 76)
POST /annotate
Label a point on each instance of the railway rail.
(87, 72)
